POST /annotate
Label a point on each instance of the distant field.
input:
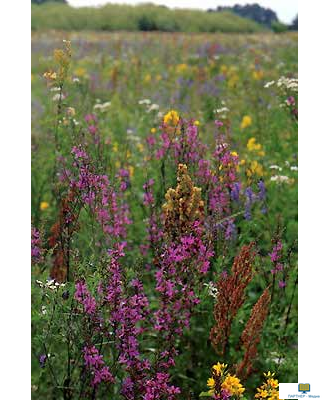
(114, 17)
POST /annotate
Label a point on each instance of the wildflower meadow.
(164, 215)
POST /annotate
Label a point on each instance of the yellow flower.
(223, 69)
(273, 383)
(115, 147)
(233, 80)
(197, 123)
(147, 78)
(233, 385)
(181, 68)
(257, 74)
(171, 118)
(80, 71)
(50, 75)
(153, 130)
(219, 368)
(140, 147)
(234, 153)
(128, 154)
(44, 205)
(246, 121)
(251, 143)
(71, 111)
(242, 162)
(131, 170)
(117, 164)
(263, 394)
(255, 169)
(211, 383)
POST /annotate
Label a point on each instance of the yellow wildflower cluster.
(233, 385)
(171, 118)
(254, 168)
(269, 389)
(223, 381)
(258, 74)
(184, 204)
(62, 57)
(147, 78)
(50, 75)
(252, 145)
(246, 121)
(231, 74)
(80, 72)
(180, 68)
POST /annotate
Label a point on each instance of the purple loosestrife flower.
(36, 250)
(281, 284)
(95, 190)
(42, 360)
(158, 387)
(83, 296)
(94, 362)
(154, 230)
(275, 255)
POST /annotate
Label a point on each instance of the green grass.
(147, 17)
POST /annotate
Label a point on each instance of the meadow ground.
(164, 205)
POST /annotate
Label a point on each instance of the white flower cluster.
(50, 284)
(102, 106)
(212, 290)
(223, 111)
(285, 83)
(149, 106)
(282, 178)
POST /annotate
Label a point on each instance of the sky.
(286, 9)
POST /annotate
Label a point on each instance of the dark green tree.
(48, 1)
(294, 24)
(262, 15)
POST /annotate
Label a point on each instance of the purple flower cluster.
(276, 257)
(83, 296)
(95, 190)
(184, 144)
(158, 387)
(182, 262)
(36, 250)
(154, 230)
(94, 362)
(91, 120)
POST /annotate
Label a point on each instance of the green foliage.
(278, 27)
(255, 12)
(146, 17)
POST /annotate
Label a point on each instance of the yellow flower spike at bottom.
(44, 205)
(211, 383)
